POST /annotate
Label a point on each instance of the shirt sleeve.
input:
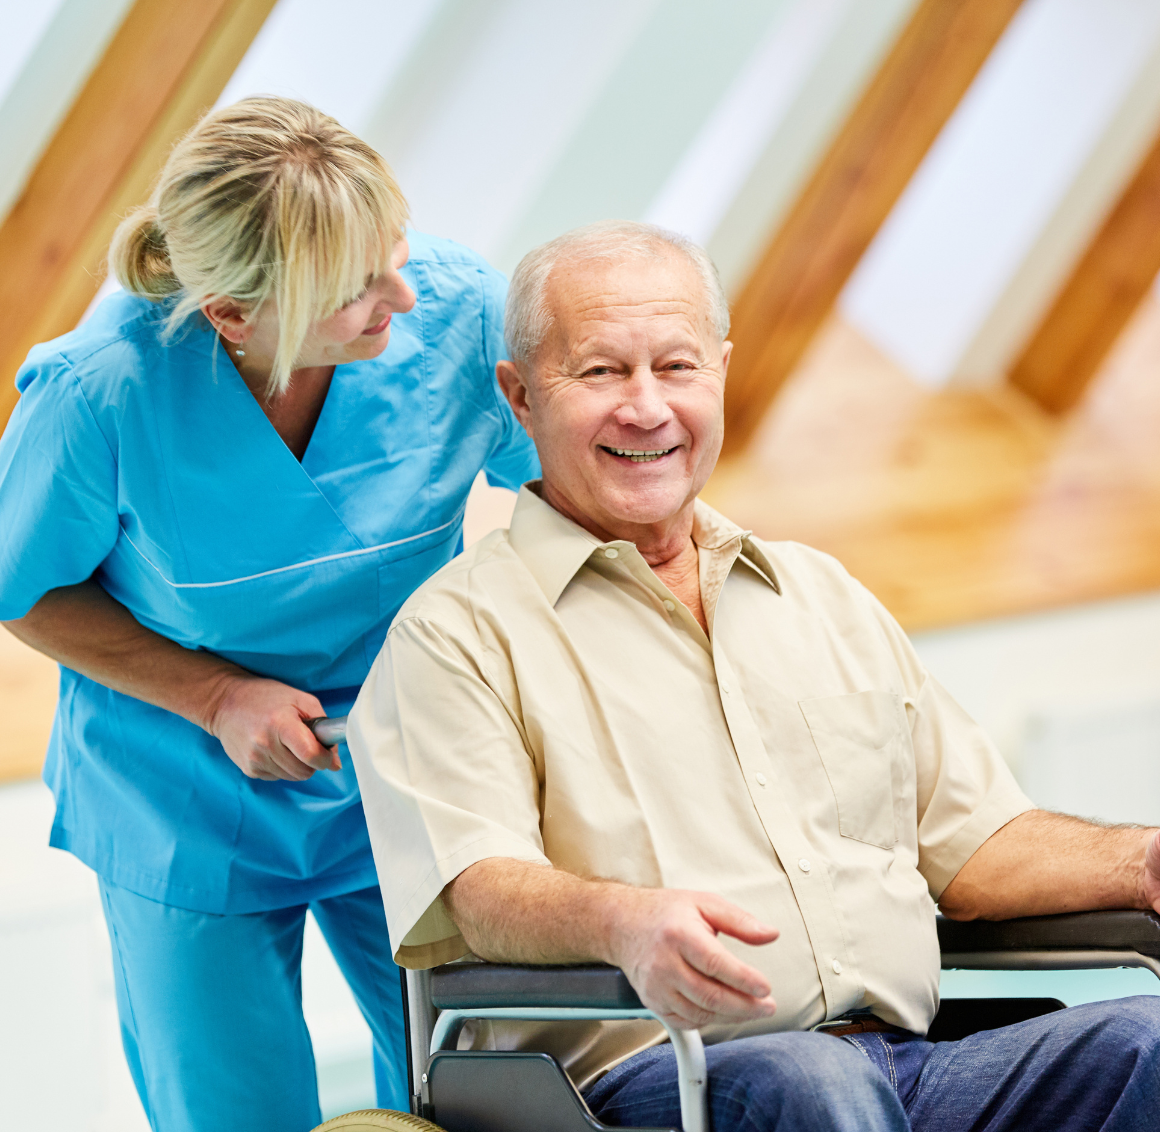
(964, 789)
(58, 489)
(513, 461)
(446, 781)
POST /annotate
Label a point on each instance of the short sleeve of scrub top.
(145, 463)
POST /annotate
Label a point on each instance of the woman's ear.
(515, 389)
(227, 317)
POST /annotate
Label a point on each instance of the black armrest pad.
(1077, 931)
(461, 986)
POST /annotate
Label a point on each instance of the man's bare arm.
(1041, 863)
(665, 940)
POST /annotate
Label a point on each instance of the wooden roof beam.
(1097, 300)
(163, 69)
(850, 194)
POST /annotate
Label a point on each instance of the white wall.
(1071, 697)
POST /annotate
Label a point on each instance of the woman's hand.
(261, 724)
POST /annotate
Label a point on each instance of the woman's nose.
(400, 296)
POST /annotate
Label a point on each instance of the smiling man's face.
(625, 397)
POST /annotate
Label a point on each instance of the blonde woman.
(215, 494)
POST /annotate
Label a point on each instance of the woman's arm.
(258, 721)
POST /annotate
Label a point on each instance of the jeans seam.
(859, 1047)
(889, 1060)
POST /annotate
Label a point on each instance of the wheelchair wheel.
(378, 1120)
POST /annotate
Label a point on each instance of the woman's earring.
(239, 352)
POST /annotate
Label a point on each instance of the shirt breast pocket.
(859, 738)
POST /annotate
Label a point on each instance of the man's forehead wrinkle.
(596, 337)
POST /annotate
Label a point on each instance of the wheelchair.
(456, 1090)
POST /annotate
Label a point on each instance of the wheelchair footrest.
(485, 1091)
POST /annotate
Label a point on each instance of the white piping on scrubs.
(293, 566)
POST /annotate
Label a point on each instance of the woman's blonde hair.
(265, 199)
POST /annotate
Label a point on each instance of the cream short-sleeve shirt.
(545, 697)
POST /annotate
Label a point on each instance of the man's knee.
(1132, 1025)
(802, 1080)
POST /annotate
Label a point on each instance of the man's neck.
(659, 543)
(666, 546)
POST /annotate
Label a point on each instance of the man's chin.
(646, 505)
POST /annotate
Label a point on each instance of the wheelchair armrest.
(465, 986)
(1073, 931)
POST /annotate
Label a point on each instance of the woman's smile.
(379, 327)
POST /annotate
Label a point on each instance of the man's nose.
(644, 405)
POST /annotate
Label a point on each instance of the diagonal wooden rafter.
(790, 293)
(1098, 299)
(165, 67)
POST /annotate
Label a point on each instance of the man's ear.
(515, 389)
(227, 317)
(726, 354)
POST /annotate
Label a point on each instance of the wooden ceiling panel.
(850, 194)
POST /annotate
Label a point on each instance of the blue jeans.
(1089, 1067)
(211, 1009)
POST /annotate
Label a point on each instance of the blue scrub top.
(150, 465)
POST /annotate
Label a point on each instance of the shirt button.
(611, 552)
(760, 779)
(804, 864)
(669, 605)
(837, 967)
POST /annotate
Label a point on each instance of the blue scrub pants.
(211, 1009)
(1090, 1067)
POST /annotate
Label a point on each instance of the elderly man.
(628, 731)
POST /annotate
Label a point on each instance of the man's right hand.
(665, 941)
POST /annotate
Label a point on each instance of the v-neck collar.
(264, 427)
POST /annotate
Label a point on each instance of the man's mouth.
(639, 455)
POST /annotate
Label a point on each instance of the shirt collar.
(553, 548)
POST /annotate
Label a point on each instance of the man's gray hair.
(527, 318)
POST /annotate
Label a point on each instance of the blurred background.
(939, 225)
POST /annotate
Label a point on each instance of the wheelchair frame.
(439, 1002)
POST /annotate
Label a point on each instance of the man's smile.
(638, 455)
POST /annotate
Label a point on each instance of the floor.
(61, 1066)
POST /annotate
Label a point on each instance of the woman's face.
(355, 333)
(362, 328)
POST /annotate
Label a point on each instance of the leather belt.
(841, 1027)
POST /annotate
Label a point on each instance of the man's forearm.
(86, 630)
(515, 912)
(665, 940)
(1041, 864)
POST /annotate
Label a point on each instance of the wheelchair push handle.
(328, 731)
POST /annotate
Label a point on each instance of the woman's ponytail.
(139, 256)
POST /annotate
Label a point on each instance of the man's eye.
(598, 371)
